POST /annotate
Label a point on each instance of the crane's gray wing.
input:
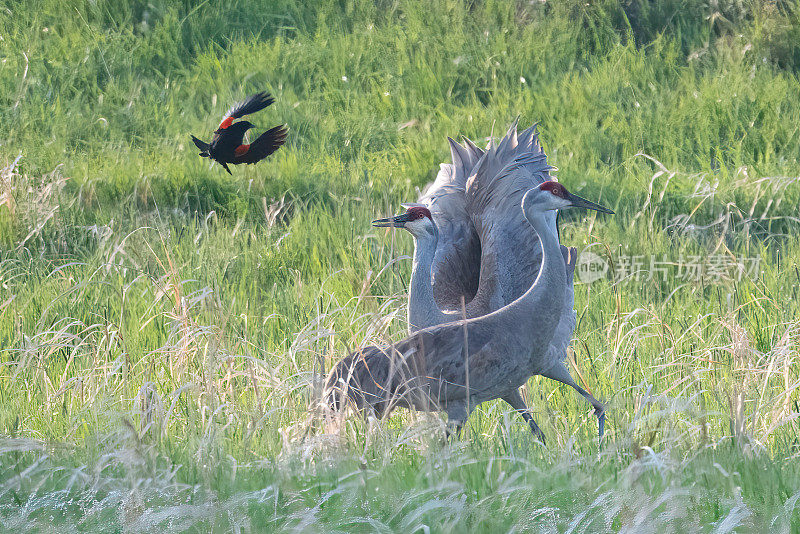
(456, 265)
(510, 251)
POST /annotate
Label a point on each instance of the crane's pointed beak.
(580, 202)
(398, 221)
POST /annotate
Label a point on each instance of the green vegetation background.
(164, 326)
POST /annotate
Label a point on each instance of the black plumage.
(227, 144)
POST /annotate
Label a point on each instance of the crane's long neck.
(422, 308)
(543, 302)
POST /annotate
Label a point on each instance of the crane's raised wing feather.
(510, 250)
(456, 265)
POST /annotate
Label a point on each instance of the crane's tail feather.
(266, 144)
(570, 255)
(364, 379)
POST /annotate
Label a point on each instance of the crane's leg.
(559, 373)
(456, 418)
(516, 402)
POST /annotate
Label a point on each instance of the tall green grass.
(164, 327)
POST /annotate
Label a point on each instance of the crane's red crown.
(554, 187)
(418, 212)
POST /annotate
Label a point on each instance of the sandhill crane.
(456, 366)
(423, 311)
(487, 253)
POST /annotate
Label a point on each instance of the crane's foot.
(537, 432)
(540, 437)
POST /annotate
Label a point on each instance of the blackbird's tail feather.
(202, 145)
(266, 144)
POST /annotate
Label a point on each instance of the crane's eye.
(555, 188)
(419, 213)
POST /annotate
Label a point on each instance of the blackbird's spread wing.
(266, 144)
(251, 104)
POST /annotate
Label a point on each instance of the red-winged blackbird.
(227, 144)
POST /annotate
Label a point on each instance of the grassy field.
(165, 327)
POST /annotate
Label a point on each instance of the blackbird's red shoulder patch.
(225, 123)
